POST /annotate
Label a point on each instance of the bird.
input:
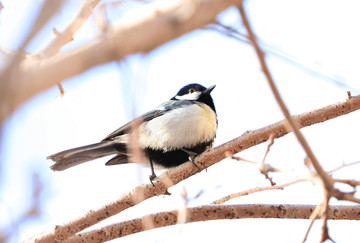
(173, 133)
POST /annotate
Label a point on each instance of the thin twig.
(270, 143)
(231, 156)
(266, 168)
(312, 218)
(63, 37)
(257, 189)
(263, 168)
(343, 166)
(235, 34)
(60, 87)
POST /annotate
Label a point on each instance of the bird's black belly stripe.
(175, 157)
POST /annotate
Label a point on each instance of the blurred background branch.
(154, 25)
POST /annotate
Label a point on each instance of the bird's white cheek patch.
(191, 96)
(179, 128)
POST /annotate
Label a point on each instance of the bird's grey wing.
(126, 128)
(161, 110)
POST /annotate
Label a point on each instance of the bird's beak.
(209, 89)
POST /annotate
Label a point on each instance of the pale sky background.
(323, 35)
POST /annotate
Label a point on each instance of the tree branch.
(175, 175)
(206, 213)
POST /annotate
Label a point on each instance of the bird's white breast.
(179, 128)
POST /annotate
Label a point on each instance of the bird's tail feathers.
(72, 157)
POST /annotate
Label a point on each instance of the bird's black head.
(196, 92)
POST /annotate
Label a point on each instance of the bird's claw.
(152, 177)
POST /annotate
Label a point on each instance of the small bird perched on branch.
(173, 133)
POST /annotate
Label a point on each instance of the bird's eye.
(192, 90)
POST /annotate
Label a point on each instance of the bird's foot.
(192, 156)
(152, 177)
(192, 160)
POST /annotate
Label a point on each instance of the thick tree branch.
(206, 213)
(206, 159)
